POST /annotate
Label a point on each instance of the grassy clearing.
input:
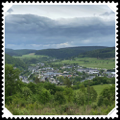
(92, 62)
(99, 88)
(61, 86)
(31, 55)
(33, 64)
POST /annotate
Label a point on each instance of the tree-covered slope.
(15, 61)
(64, 53)
(20, 52)
(101, 53)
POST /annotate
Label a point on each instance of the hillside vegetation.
(102, 53)
(65, 53)
(108, 63)
(62, 53)
(29, 56)
(49, 99)
(21, 52)
(15, 61)
(70, 52)
(31, 59)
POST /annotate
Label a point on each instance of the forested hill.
(101, 53)
(64, 53)
(16, 62)
(67, 53)
(21, 52)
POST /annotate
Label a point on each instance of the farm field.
(31, 55)
(92, 62)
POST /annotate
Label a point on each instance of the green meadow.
(99, 88)
(31, 55)
(85, 62)
(92, 62)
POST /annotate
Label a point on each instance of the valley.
(66, 86)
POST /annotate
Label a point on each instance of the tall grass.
(65, 109)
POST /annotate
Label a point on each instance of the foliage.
(65, 53)
(32, 87)
(79, 97)
(107, 96)
(59, 97)
(82, 87)
(21, 52)
(67, 82)
(51, 87)
(61, 78)
(85, 96)
(99, 80)
(102, 53)
(68, 92)
(26, 92)
(44, 96)
(15, 61)
(94, 105)
(11, 77)
(91, 94)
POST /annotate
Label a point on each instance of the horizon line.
(58, 48)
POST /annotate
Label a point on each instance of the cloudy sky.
(58, 26)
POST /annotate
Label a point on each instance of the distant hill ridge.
(19, 52)
(66, 53)
(61, 53)
(100, 53)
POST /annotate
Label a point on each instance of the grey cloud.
(32, 29)
(107, 13)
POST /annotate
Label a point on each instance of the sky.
(58, 26)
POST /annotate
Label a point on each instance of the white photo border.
(114, 112)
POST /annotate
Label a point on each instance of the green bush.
(26, 93)
(23, 103)
(68, 92)
(91, 94)
(24, 111)
(100, 101)
(15, 111)
(67, 109)
(38, 106)
(44, 96)
(94, 105)
(31, 106)
(79, 98)
(51, 87)
(59, 97)
(8, 100)
(107, 96)
(34, 98)
(94, 112)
